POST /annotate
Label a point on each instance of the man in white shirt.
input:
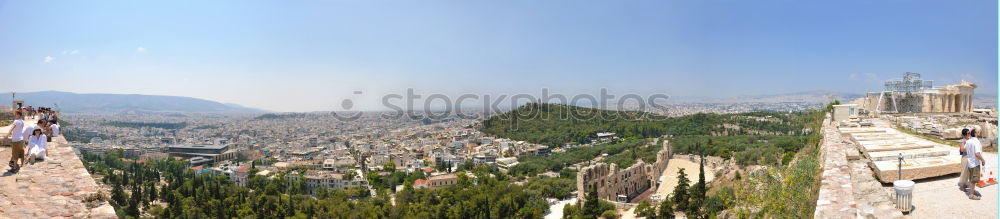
(55, 127)
(973, 151)
(16, 135)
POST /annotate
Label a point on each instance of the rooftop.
(199, 146)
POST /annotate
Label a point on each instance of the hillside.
(76, 103)
(555, 124)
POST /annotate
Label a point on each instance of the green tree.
(680, 196)
(610, 214)
(666, 209)
(591, 203)
(644, 209)
(117, 195)
(389, 167)
(698, 191)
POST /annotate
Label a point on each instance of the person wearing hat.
(37, 146)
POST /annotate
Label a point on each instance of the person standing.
(973, 151)
(963, 178)
(17, 141)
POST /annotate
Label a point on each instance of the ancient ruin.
(921, 158)
(908, 131)
(622, 185)
(913, 95)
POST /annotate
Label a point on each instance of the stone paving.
(850, 188)
(57, 187)
(836, 192)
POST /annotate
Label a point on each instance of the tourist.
(53, 129)
(963, 178)
(47, 130)
(54, 116)
(17, 141)
(43, 125)
(43, 113)
(37, 146)
(973, 151)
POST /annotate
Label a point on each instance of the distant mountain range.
(818, 96)
(76, 103)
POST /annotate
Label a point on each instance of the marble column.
(945, 103)
(951, 103)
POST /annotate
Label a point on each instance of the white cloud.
(48, 59)
(140, 49)
(865, 76)
(871, 76)
(968, 77)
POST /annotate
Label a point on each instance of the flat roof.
(199, 146)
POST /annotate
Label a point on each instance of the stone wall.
(614, 184)
(60, 186)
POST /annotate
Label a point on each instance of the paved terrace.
(57, 187)
(851, 188)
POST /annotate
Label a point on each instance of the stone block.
(918, 168)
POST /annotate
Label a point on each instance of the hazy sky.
(309, 55)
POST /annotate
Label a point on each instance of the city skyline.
(310, 56)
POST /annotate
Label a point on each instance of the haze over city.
(553, 109)
(308, 56)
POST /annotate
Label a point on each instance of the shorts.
(964, 177)
(17, 151)
(974, 174)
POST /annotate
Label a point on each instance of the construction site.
(895, 153)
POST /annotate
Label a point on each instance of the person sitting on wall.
(38, 146)
(53, 130)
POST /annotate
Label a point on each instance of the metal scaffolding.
(911, 82)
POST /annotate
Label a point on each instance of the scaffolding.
(910, 83)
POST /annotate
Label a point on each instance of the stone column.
(954, 102)
(968, 104)
(965, 103)
(951, 103)
(946, 101)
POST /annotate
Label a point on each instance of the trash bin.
(904, 195)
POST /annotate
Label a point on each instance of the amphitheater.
(626, 184)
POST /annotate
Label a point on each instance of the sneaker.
(11, 164)
(974, 197)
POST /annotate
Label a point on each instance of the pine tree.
(117, 195)
(592, 203)
(134, 202)
(698, 190)
(681, 191)
(666, 209)
(151, 190)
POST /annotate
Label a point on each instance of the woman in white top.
(37, 146)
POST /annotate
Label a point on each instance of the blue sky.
(309, 55)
